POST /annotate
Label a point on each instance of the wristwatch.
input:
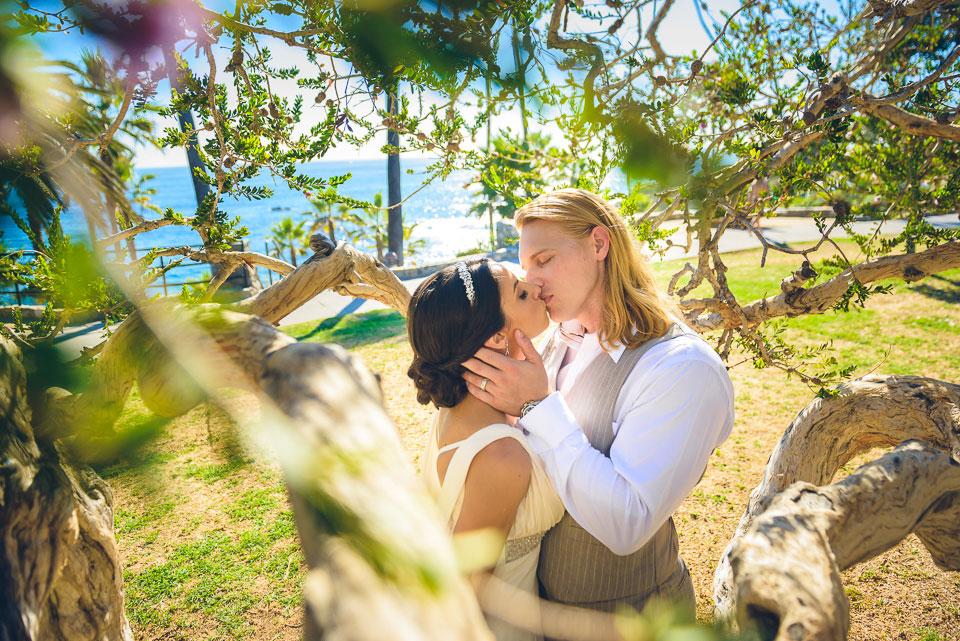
(526, 407)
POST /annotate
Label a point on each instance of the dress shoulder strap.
(459, 465)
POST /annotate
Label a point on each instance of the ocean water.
(440, 210)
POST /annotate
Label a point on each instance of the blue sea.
(440, 210)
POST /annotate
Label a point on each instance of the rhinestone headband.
(467, 281)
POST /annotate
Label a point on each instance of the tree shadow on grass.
(939, 288)
(351, 330)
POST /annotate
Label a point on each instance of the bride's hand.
(509, 382)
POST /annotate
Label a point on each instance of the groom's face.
(567, 269)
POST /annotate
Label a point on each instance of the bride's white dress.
(539, 510)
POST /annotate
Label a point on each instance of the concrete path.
(776, 230)
(328, 304)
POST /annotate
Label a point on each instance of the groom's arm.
(678, 410)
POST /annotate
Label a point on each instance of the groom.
(624, 407)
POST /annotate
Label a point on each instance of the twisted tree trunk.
(786, 566)
(381, 564)
(59, 567)
(870, 412)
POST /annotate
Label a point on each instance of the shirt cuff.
(551, 421)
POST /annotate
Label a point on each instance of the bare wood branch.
(251, 258)
(697, 276)
(226, 268)
(816, 300)
(145, 226)
(556, 41)
(726, 25)
(18, 340)
(910, 89)
(912, 123)
(332, 412)
(289, 37)
(784, 152)
(340, 268)
(651, 33)
(699, 304)
(886, 44)
(658, 54)
(797, 279)
(686, 269)
(786, 568)
(743, 219)
(103, 139)
(874, 411)
(904, 8)
(666, 213)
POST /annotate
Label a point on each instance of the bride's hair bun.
(445, 329)
(442, 387)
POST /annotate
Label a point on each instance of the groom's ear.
(600, 241)
(498, 341)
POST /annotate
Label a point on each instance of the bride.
(480, 467)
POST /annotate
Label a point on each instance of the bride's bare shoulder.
(502, 457)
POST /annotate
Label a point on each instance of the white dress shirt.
(674, 409)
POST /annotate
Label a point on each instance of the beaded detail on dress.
(517, 548)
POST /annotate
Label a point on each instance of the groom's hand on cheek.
(510, 382)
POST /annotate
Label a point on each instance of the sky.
(681, 33)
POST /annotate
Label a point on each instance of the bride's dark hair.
(445, 330)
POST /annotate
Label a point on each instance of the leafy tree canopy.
(851, 107)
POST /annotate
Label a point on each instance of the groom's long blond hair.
(633, 309)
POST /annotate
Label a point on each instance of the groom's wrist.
(529, 405)
(551, 420)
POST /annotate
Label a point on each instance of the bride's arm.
(496, 483)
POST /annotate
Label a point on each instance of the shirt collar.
(571, 332)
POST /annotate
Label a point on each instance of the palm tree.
(287, 235)
(40, 191)
(369, 224)
(321, 217)
(395, 213)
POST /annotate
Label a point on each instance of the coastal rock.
(507, 234)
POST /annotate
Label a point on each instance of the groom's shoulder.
(686, 348)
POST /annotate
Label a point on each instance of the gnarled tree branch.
(818, 299)
(912, 123)
(870, 412)
(251, 258)
(904, 8)
(556, 41)
(145, 226)
(345, 267)
(786, 568)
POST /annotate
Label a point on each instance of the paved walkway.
(776, 230)
(328, 304)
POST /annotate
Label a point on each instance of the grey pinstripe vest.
(575, 567)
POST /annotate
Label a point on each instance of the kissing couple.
(577, 456)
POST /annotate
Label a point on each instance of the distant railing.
(19, 294)
(164, 283)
